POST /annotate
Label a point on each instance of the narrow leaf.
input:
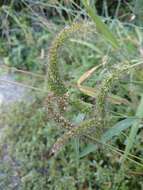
(101, 26)
(117, 129)
(114, 131)
(87, 150)
(134, 130)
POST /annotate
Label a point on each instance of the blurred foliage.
(22, 23)
(26, 30)
(33, 132)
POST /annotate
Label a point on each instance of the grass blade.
(107, 136)
(134, 130)
(117, 129)
(101, 27)
(138, 11)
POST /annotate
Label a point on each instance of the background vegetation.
(102, 158)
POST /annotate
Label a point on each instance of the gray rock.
(10, 92)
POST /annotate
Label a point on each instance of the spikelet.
(55, 83)
(78, 130)
(105, 87)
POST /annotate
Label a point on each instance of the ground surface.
(9, 93)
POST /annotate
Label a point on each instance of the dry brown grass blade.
(92, 92)
(87, 74)
(85, 89)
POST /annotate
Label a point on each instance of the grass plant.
(83, 128)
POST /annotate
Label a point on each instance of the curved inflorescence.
(105, 87)
(55, 83)
(58, 89)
